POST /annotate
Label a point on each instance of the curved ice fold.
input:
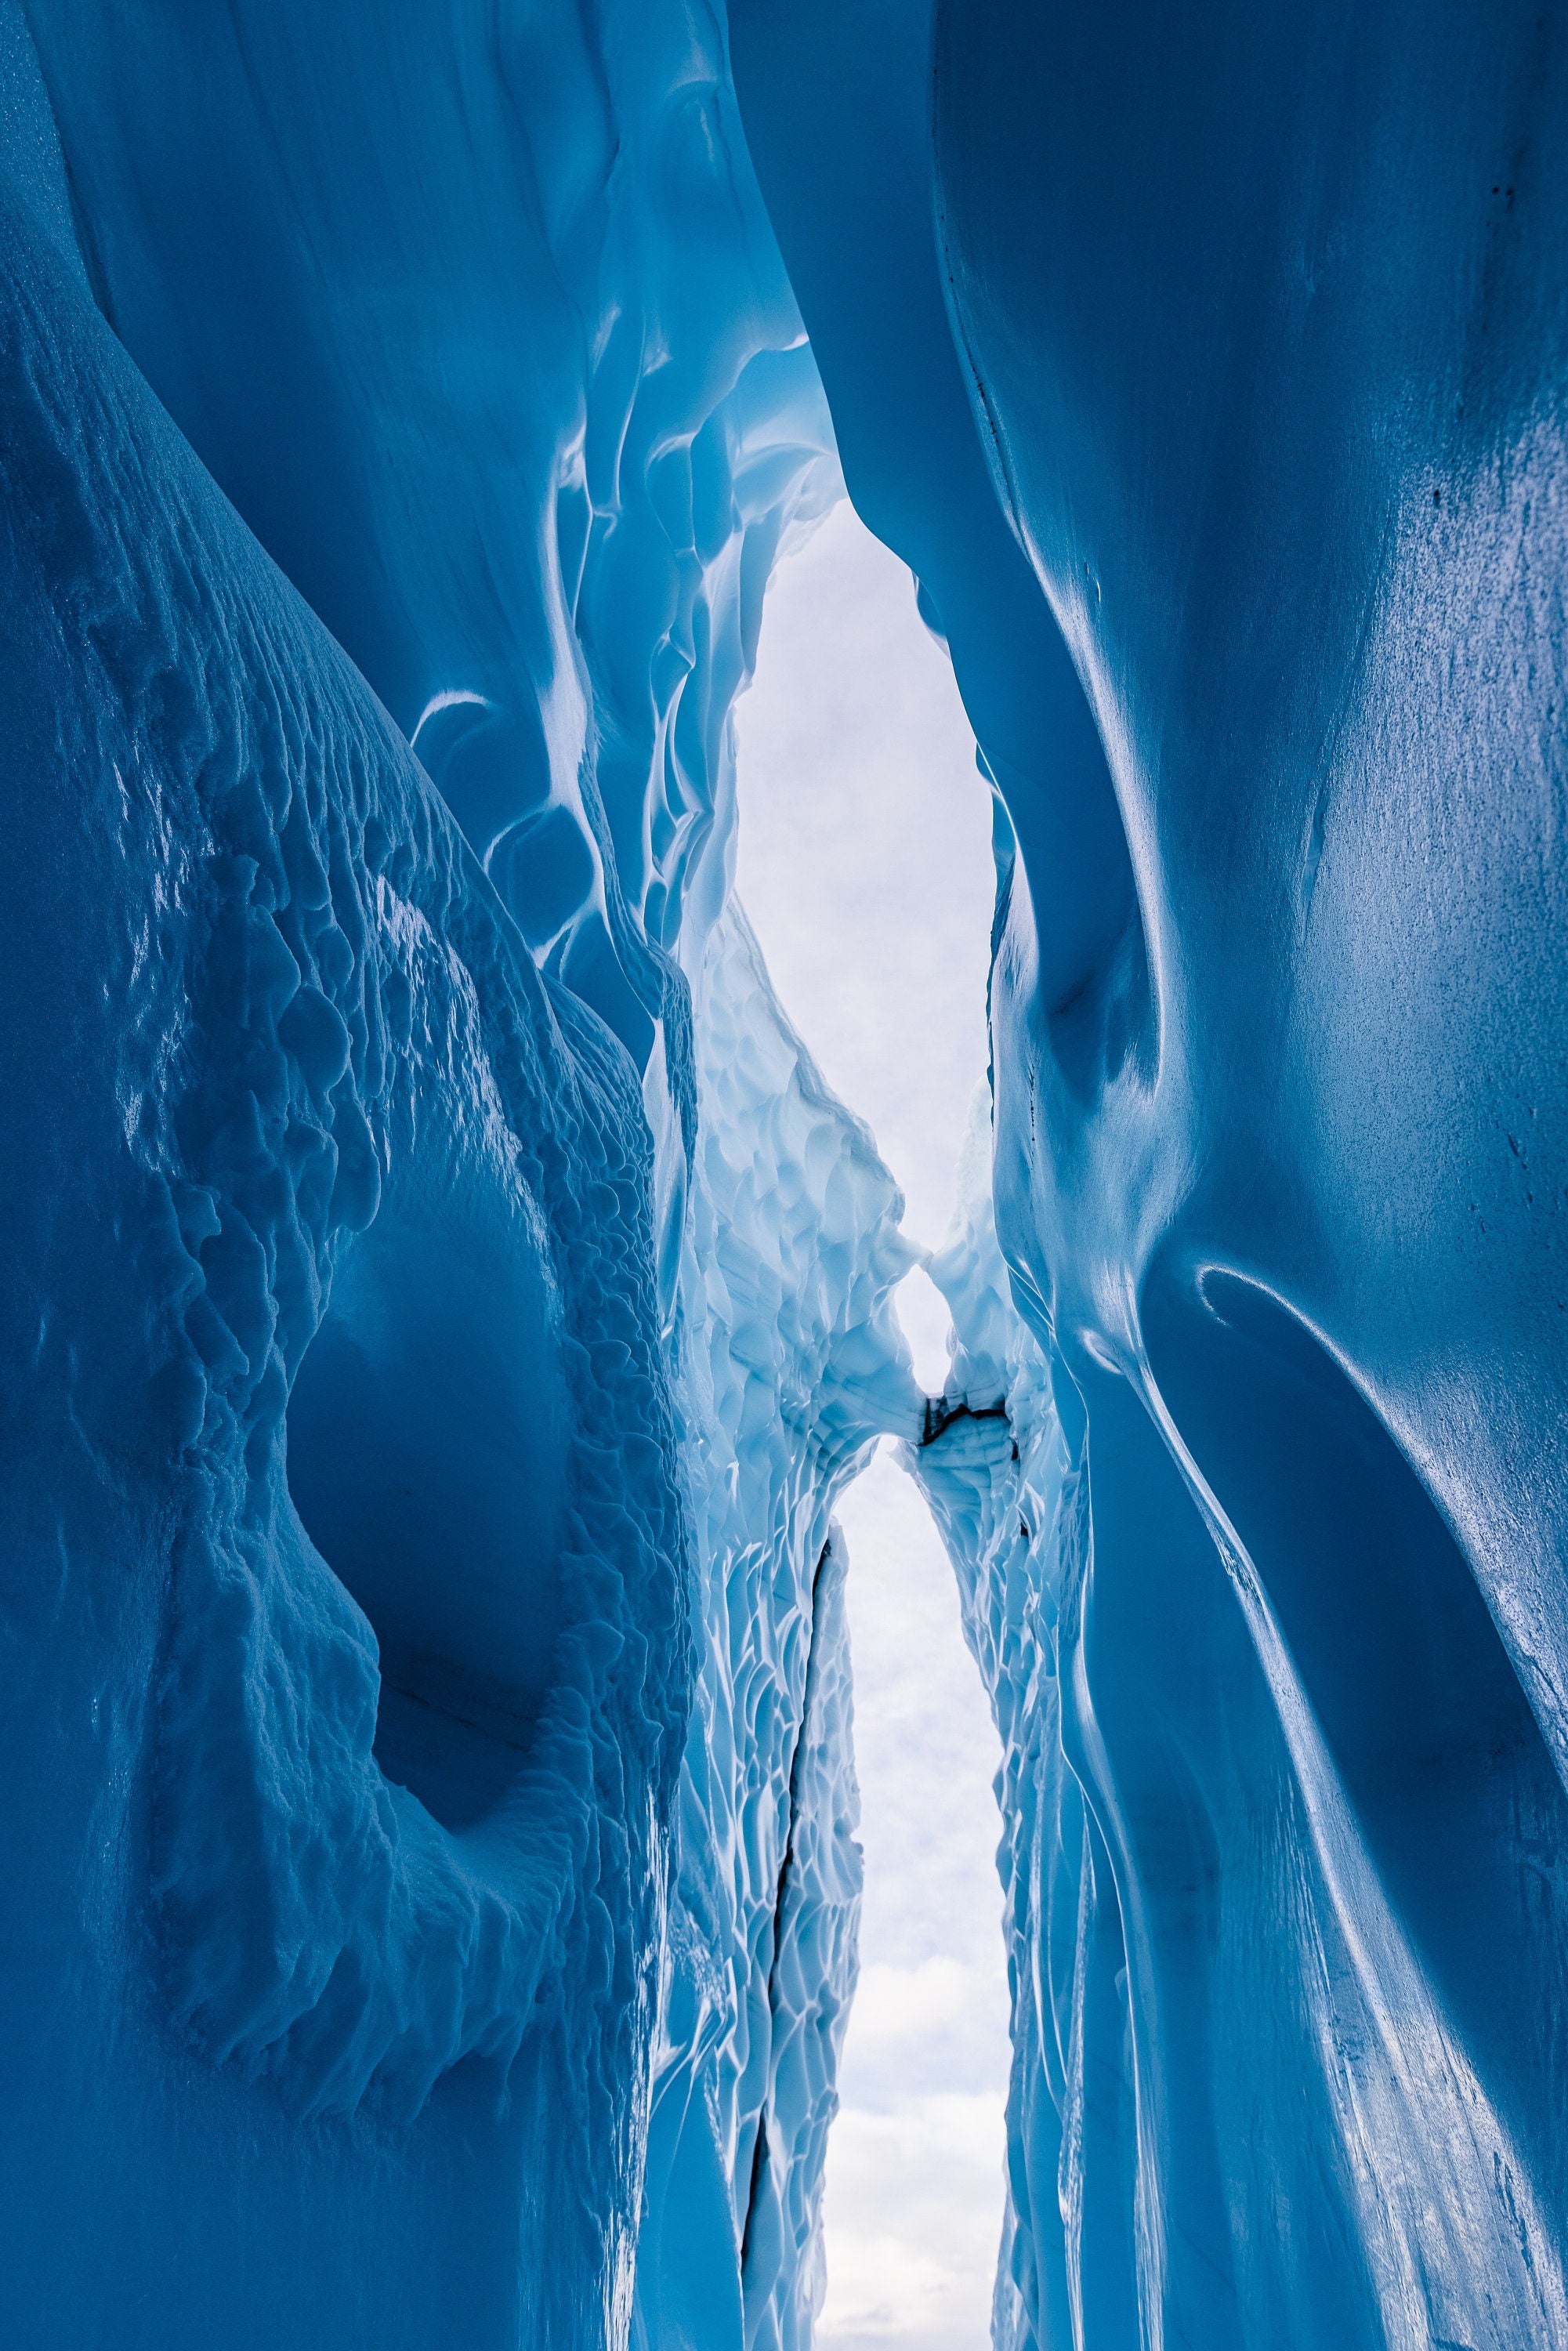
(532, 464)
(1275, 1020)
(1008, 1494)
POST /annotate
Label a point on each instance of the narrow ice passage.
(864, 863)
(444, 1308)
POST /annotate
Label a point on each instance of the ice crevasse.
(442, 1300)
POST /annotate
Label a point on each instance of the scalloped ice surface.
(795, 1366)
(442, 1300)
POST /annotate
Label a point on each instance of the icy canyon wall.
(429, 1860)
(1236, 339)
(441, 1301)
(795, 1365)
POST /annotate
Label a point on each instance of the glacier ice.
(795, 1367)
(362, 1324)
(1250, 329)
(443, 1303)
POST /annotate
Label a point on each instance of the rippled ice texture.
(441, 1300)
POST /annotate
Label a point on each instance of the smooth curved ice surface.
(1249, 327)
(441, 1300)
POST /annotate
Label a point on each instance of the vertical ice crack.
(786, 1870)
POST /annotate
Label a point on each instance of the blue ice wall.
(441, 1302)
(428, 1723)
(792, 1365)
(483, 330)
(267, 1027)
(1254, 320)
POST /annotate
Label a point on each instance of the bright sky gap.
(864, 863)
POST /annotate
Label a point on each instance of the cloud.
(914, 2206)
(894, 2005)
(864, 851)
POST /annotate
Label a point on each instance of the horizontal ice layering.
(441, 1302)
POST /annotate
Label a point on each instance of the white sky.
(864, 863)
